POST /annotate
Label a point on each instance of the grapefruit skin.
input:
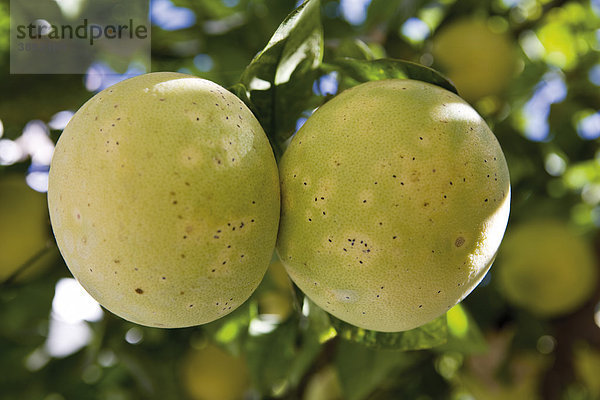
(395, 198)
(164, 200)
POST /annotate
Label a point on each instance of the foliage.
(547, 121)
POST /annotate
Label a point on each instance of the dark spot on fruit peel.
(459, 241)
(139, 291)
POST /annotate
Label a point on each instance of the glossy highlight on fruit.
(395, 198)
(164, 199)
(547, 268)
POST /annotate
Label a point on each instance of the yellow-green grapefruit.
(212, 374)
(547, 268)
(477, 59)
(164, 199)
(395, 198)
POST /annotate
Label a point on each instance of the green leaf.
(277, 360)
(231, 331)
(362, 369)
(277, 85)
(22, 307)
(432, 334)
(354, 48)
(464, 336)
(387, 68)
(383, 11)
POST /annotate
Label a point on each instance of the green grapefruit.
(547, 268)
(395, 198)
(164, 199)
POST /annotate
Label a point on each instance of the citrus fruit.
(546, 268)
(478, 60)
(212, 374)
(164, 199)
(395, 197)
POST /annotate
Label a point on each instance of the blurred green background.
(530, 330)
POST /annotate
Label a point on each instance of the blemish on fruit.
(139, 291)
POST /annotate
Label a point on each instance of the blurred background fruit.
(276, 297)
(210, 373)
(547, 268)
(478, 56)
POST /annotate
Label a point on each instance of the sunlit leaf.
(278, 82)
(319, 322)
(373, 70)
(464, 335)
(232, 330)
(354, 48)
